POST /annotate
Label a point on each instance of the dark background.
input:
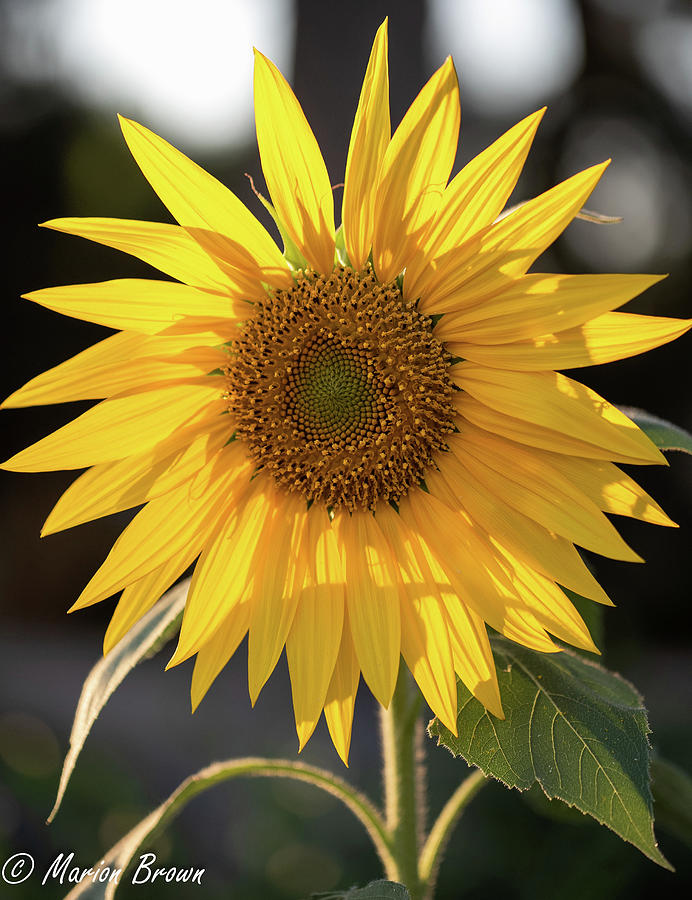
(617, 75)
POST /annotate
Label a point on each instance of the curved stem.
(403, 780)
(431, 854)
(123, 852)
(360, 805)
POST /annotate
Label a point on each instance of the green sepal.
(292, 254)
(340, 253)
(571, 726)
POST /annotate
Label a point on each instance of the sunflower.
(362, 443)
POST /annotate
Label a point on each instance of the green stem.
(124, 851)
(360, 805)
(431, 855)
(404, 782)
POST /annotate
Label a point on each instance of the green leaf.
(672, 788)
(376, 890)
(665, 435)
(143, 640)
(122, 854)
(578, 730)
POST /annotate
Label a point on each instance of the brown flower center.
(340, 390)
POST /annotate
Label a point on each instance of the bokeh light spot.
(509, 55)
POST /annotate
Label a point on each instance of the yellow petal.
(226, 568)
(473, 657)
(211, 213)
(168, 525)
(293, 166)
(414, 172)
(506, 249)
(610, 488)
(120, 427)
(424, 638)
(467, 637)
(547, 602)
(120, 363)
(601, 340)
(168, 248)
(532, 486)
(313, 643)
(369, 139)
(138, 304)
(545, 551)
(213, 656)
(341, 694)
(112, 487)
(475, 196)
(279, 563)
(554, 401)
(372, 597)
(533, 435)
(538, 304)
(471, 566)
(138, 598)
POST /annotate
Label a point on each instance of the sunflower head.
(364, 460)
(340, 389)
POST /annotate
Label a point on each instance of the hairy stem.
(434, 847)
(404, 781)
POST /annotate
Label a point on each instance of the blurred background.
(617, 78)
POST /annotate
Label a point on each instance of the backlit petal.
(168, 248)
(532, 486)
(473, 570)
(554, 401)
(226, 568)
(138, 598)
(601, 340)
(506, 249)
(547, 552)
(372, 596)
(424, 638)
(313, 643)
(169, 524)
(215, 653)
(610, 488)
(293, 166)
(538, 304)
(475, 196)
(120, 427)
(533, 435)
(211, 214)
(369, 139)
(341, 694)
(414, 173)
(120, 363)
(138, 304)
(548, 603)
(112, 487)
(279, 575)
